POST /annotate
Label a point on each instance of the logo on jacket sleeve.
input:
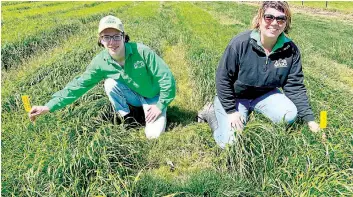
(139, 64)
(280, 63)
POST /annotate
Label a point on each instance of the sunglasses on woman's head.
(280, 19)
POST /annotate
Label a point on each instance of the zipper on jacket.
(265, 66)
(257, 47)
(267, 56)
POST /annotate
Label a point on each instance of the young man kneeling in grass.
(134, 75)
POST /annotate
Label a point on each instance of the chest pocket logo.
(281, 63)
(139, 64)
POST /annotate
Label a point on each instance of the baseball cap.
(110, 22)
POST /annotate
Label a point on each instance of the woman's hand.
(313, 126)
(36, 111)
(236, 121)
(152, 114)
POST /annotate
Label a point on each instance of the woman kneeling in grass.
(134, 75)
(254, 65)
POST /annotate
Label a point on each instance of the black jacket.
(246, 72)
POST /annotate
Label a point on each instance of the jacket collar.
(282, 39)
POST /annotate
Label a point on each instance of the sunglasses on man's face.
(280, 19)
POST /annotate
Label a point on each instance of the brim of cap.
(107, 27)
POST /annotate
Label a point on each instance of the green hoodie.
(144, 72)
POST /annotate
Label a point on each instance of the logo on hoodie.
(281, 63)
(139, 64)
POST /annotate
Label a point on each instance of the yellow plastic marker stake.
(323, 119)
(26, 104)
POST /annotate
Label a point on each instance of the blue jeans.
(122, 96)
(274, 105)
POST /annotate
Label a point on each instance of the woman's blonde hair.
(278, 5)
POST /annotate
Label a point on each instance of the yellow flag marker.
(26, 104)
(323, 119)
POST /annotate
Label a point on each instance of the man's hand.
(152, 113)
(236, 121)
(313, 126)
(36, 111)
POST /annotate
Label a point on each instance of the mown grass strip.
(175, 56)
(204, 47)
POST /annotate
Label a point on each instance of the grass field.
(81, 151)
